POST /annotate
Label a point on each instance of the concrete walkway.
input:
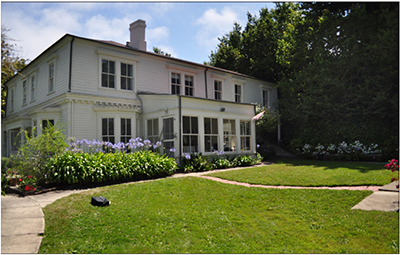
(22, 218)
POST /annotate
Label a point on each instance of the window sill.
(51, 92)
(32, 101)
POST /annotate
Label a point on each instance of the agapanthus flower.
(172, 150)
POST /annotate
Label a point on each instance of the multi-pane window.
(25, 92)
(175, 83)
(188, 85)
(107, 125)
(238, 93)
(245, 135)
(47, 123)
(107, 73)
(168, 141)
(265, 97)
(126, 130)
(217, 90)
(152, 130)
(126, 76)
(12, 99)
(190, 134)
(210, 134)
(51, 77)
(229, 135)
(33, 87)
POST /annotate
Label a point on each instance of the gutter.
(70, 64)
(205, 79)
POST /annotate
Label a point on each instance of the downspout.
(205, 79)
(180, 128)
(70, 65)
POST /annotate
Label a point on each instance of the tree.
(335, 65)
(265, 47)
(347, 88)
(11, 63)
(159, 51)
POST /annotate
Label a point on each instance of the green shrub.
(195, 163)
(221, 163)
(84, 168)
(33, 155)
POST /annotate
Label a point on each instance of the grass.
(312, 173)
(195, 215)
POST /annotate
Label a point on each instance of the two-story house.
(113, 92)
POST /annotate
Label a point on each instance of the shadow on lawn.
(363, 167)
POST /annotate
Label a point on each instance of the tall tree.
(11, 63)
(335, 64)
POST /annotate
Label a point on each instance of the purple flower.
(187, 156)
(172, 150)
(258, 146)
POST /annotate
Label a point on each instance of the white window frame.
(188, 86)
(191, 134)
(24, 92)
(125, 136)
(12, 99)
(51, 77)
(240, 95)
(177, 84)
(211, 135)
(182, 71)
(230, 135)
(118, 59)
(108, 135)
(245, 135)
(127, 77)
(108, 73)
(153, 136)
(33, 87)
(218, 91)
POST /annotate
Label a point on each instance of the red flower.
(20, 180)
(26, 188)
(29, 176)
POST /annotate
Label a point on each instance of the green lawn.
(195, 215)
(312, 173)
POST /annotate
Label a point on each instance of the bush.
(84, 168)
(34, 154)
(195, 163)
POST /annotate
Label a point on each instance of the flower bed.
(355, 151)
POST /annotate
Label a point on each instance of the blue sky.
(187, 30)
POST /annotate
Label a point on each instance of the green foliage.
(85, 168)
(196, 162)
(34, 154)
(336, 66)
(267, 125)
(159, 51)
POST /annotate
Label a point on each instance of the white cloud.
(157, 34)
(214, 25)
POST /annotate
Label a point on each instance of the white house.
(112, 92)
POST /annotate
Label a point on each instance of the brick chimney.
(137, 29)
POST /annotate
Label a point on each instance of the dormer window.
(175, 83)
(107, 74)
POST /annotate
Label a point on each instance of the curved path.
(22, 218)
